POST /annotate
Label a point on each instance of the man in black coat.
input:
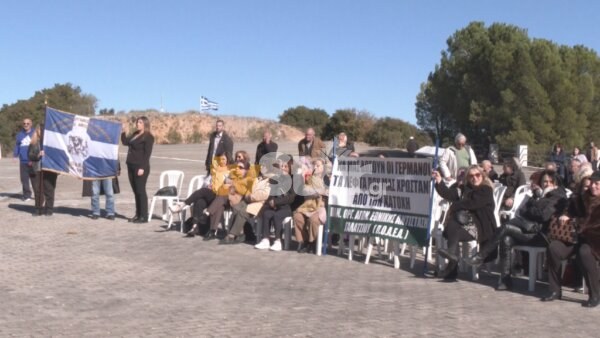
(219, 143)
(265, 147)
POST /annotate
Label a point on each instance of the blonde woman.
(471, 215)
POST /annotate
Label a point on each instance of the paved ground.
(68, 275)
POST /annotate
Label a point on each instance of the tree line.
(66, 97)
(497, 85)
(359, 125)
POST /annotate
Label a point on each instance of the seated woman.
(236, 185)
(472, 214)
(278, 206)
(203, 197)
(248, 208)
(241, 156)
(558, 250)
(311, 213)
(343, 147)
(588, 252)
(527, 228)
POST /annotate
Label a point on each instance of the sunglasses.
(26, 124)
(478, 175)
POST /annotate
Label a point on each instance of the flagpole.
(41, 145)
(432, 194)
(328, 223)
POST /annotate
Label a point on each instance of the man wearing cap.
(459, 156)
(20, 152)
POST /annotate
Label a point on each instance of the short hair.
(221, 121)
(459, 136)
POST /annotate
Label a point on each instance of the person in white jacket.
(456, 157)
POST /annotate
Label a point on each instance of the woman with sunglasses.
(527, 228)
(203, 197)
(237, 184)
(471, 214)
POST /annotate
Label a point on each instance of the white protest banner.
(385, 197)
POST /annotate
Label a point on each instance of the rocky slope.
(186, 124)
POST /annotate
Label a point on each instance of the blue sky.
(255, 57)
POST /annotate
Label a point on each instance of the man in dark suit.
(219, 143)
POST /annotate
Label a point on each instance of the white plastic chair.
(498, 196)
(520, 195)
(197, 182)
(167, 178)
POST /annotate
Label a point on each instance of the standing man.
(21, 148)
(106, 185)
(219, 143)
(412, 146)
(310, 145)
(266, 146)
(459, 156)
(489, 170)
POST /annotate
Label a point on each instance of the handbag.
(565, 233)
(167, 191)
(463, 217)
(527, 226)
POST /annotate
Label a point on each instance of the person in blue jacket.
(20, 152)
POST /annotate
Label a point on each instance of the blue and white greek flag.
(206, 104)
(80, 146)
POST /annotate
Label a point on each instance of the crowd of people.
(264, 192)
(561, 214)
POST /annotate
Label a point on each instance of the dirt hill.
(186, 124)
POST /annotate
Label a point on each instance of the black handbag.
(167, 191)
(527, 226)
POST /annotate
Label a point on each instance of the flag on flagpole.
(80, 146)
(206, 104)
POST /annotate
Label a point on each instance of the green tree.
(391, 132)
(303, 118)
(105, 111)
(495, 84)
(65, 97)
(356, 124)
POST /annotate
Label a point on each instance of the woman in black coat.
(140, 145)
(473, 199)
(278, 205)
(527, 228)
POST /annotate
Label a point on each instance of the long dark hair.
(146, 122)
